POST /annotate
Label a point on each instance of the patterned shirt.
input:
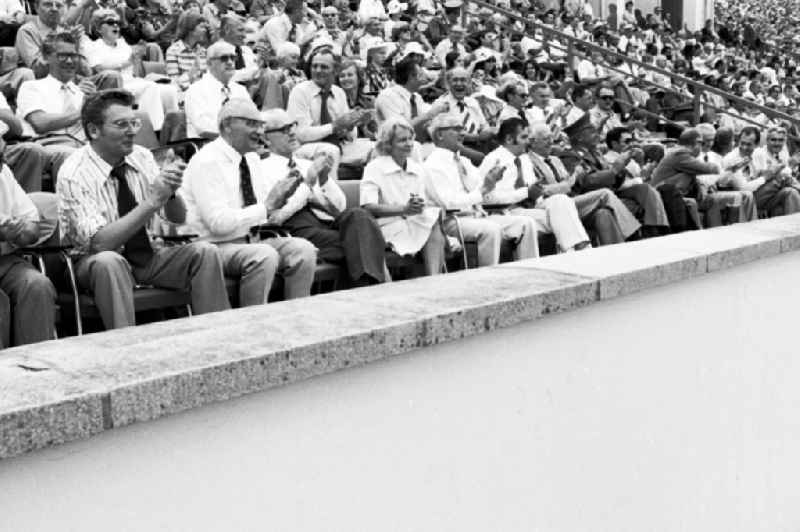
(87, 194)
(185, 65)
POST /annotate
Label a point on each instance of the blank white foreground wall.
(673, 409)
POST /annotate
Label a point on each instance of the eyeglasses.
(64, 56)
(283, 129)
(111, 22)
(225, 58)
(451, 128)
(134, 124)
(606, 97)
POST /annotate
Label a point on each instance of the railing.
(697, 88)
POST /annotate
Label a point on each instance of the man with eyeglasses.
(228, 193)
(31, 36)
(317, 209)
(603, 117)
(51, 105)
(233, 31)
(206, 96)
(112, 200)
(452, 182)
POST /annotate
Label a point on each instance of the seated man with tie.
(204, 98)
(599, 209)
(233, 31)
(317, 209)
(452, 182)
(641, 199)
(477, 132)
(767, 171)
(515, 94)
(322, 113)
(402, 100)
(111, 195)
(521, 191)
(228, 192)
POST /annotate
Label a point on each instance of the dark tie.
(292, 34)
(324, 114)
(520, 182)
(705, 157)
(226, 94)
(246, 184)
(414, 110)
(239, 58)
(137, 250)
(522, 117)
(552, 166)
(461, 106)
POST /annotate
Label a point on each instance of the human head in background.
(514, 93)
(60, 49)
(708, 132)
(192, 28)
(280, 132)
(749, 139)
(458, 82)
(446, 131)
(221, 59)
(288, 55)
(541, 139)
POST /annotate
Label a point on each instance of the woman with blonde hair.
(186, 57)
(393, 191)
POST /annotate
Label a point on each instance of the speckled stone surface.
(76, 387)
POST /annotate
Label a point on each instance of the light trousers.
(111, 280)
(256, 264)
(557, 214)
(489, 233)
(741, 200)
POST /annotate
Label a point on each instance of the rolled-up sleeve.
(79, 212)
(369, 190)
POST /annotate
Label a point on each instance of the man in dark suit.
(641, 199)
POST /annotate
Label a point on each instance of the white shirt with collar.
(444, 184)
(744, 178)
(51, 96)
(368, 9)
(322, 200)
(395, 101)
(384, 182)
(212, 193)
(14, 203)
(203, 101)
(472, 117)
(250, 71)
(99, 52)
(505, 191)
(304, 107)
(276, 30)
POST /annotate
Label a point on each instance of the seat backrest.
(351, 192)
(47, 205)
(146, 136)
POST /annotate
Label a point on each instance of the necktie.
(552, 167)
(469, 126)
(246, 184)
(522, 117)
(138, 250)
(226, 94)
(292, 34)
(239, 58)
(70, 107)
(520, 182)
(705, 157)
(324, 114)
(414, 110)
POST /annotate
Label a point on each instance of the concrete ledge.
(74, 388)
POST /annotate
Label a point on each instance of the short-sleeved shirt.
(51, 96)
(203, 102)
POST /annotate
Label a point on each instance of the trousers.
(558, 215)
(31, 300)
(111, 280)
(741, 200)
(773, 197)
(256, 264)
(490, 232)
(353, 238)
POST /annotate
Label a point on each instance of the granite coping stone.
(76, 387)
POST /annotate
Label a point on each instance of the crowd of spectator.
(463, 126)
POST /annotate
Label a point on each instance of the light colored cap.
(394, 6)
(412, 47)
(220, 48)
(239, 108)
(605, 91)
(453, 3)
(330, 10)
(276, 118)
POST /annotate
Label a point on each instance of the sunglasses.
(283, 129)
(111, 22)
(606, 97)
(225, 58)
(65, 56)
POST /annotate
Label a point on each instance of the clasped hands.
(166, 183)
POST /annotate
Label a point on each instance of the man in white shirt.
(521, 189)
(370, 9)
(321, 109)
(767, 173)
(31, 295)
(602, 115)
(289, 26)
(317, 210)
(227, 192)
(453, 42)
(402, 100)
(476, 128)
(452, 182)
(205, 97)
(234, 32)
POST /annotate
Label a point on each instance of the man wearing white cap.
(205, 97)
(452, 182)
(227, 193)
(453, 42)
(317, 210)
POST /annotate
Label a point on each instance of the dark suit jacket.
(680, 168)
